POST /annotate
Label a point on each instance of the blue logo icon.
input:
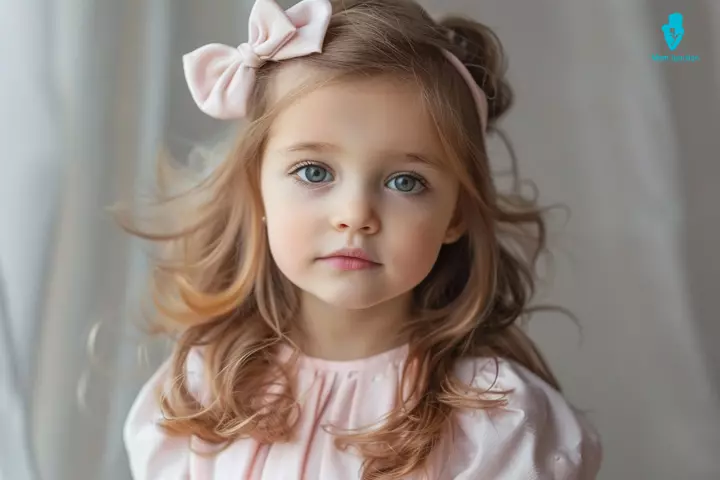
(673, 30)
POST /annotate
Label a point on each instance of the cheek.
(415, 247)
(290, 234)
(284, 223)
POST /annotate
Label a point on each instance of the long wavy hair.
(216, 287)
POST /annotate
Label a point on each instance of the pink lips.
(350, 259)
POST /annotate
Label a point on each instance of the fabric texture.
(538, 435)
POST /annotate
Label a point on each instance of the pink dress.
(537, 436)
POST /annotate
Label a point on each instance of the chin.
(351, 301)
(350, 297)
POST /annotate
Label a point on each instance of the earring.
(263, 220)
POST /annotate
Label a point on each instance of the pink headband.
(221, 78)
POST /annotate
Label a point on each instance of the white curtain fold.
(91, 89)
(29, 162)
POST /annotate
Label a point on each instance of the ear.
(453, 235)
(456, 229)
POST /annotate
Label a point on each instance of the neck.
(334, 333)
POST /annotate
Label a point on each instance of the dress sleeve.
(154, 455)
(538, 435)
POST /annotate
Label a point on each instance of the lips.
(350, 259)
(356, 253)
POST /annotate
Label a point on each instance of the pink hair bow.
(221, 77)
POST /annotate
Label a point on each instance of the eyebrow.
(322, 147)
(312, 147)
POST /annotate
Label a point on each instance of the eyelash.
(410, 173)
(305, 164)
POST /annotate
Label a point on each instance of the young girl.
(346, 292)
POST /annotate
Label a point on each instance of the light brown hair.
(216, 284)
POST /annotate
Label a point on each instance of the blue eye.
(312, 173)
(406, 183)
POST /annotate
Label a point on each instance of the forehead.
(360, 114)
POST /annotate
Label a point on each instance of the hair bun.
(459, 41)
(482, 53)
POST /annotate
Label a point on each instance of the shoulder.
(152, 453)
(524, 390)
(537, 432)
(162, 380)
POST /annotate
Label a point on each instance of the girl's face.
(356, 165)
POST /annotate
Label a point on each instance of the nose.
(356, 214)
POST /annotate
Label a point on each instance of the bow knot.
(221, 78)
(249, 57)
